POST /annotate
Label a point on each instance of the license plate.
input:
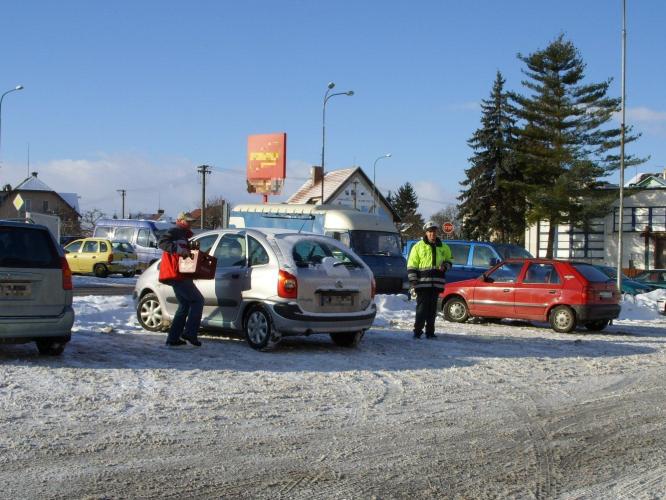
(14, 290)
(337, 300)
(606, 295)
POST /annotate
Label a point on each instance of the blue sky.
(135, 94)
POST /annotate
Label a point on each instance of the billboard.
(266, 162)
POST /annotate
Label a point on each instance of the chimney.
(316, 174)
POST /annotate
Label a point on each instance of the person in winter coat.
(186, 321)
(428, 261)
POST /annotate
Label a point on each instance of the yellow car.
(101, 257)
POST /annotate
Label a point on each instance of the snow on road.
(485, 410)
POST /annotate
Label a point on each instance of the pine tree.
(406, 206)
(563, 146)
(491, 206)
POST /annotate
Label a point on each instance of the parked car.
(630, 286)
(98, 256)
(564, 293)
(473, 258)
(271, 283)
(655, 278)
(35, 288)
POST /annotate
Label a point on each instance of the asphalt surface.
(111, 289)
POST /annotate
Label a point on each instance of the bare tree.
(88, 220)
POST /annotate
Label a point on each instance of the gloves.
(182, 248)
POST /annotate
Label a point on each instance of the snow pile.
(641, 307)
(99, 313)
(393, 310)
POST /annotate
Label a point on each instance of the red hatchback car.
(563, 293)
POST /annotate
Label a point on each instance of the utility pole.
(122, 194)
(203, 170)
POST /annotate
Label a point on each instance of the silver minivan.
(271, 283)
(35, 288)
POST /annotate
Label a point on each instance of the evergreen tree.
(563, 146)
(491, 206)
(406, 205)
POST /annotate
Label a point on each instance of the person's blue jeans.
(187, 319)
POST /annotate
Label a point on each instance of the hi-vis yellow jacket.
(427, 264)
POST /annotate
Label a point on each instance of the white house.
(348, 188)
(643, 236)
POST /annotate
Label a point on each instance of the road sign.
(18, 202)
(447, 227)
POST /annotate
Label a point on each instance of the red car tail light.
(66, 274)
(110, 258)
(287, 285)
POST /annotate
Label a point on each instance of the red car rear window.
(591, 273)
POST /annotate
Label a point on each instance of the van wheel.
(456, 310)
(100, 271)
(149, 313)
(50, 347)
(128, 274)
(597, 326)
(347, 339)
(562, 319)
(258, 329)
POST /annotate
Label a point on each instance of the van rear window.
(27, 248)
(591, 273)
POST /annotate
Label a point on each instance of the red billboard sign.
(266, 162)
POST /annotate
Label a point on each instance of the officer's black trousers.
(426, 310)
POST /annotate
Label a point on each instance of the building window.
(573, 243)
(28, 205)
(45, 206)
(636, 219)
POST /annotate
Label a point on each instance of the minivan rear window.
(27, 248)
(591, 273)
(512, 252)
(459, 253)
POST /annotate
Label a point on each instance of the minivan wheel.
(258, 329)
(100, 271)
(456, 310)
(128, 274)
(347, 339)
(597, 326)
(50, 347)
(149, 313)
(562, 319)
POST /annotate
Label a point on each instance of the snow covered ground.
(485, 410)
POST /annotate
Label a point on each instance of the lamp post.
(18, 87)
(327, 96)
(374, 185)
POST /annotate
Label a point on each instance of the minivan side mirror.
(494, 262)
(152, 244)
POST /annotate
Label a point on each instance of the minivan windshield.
(376, 243)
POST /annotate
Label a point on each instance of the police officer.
(428, 261)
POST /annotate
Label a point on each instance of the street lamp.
(18, 87)
(374, 186)
(327, 96)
